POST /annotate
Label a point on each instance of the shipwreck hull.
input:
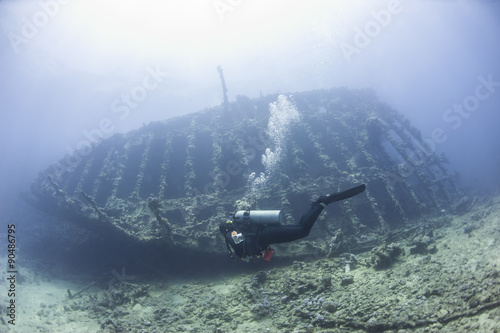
(173, 182)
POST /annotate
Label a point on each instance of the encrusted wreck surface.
(173, 182)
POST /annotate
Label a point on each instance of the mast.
(224, 89)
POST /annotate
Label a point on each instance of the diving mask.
(237, 237)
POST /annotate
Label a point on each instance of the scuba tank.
(263, 217)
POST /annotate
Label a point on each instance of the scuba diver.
(250, 233)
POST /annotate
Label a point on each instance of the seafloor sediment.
(432, 277)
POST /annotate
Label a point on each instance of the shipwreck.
(172, 182)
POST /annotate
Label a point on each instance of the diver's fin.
(328, 199)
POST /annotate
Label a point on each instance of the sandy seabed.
(447, 279)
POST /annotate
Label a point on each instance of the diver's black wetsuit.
(274, 234)
(258, 237)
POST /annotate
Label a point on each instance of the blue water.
(73, 74)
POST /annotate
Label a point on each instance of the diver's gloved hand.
(329, 198)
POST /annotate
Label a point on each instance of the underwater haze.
(67, 66)
(79, 74)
